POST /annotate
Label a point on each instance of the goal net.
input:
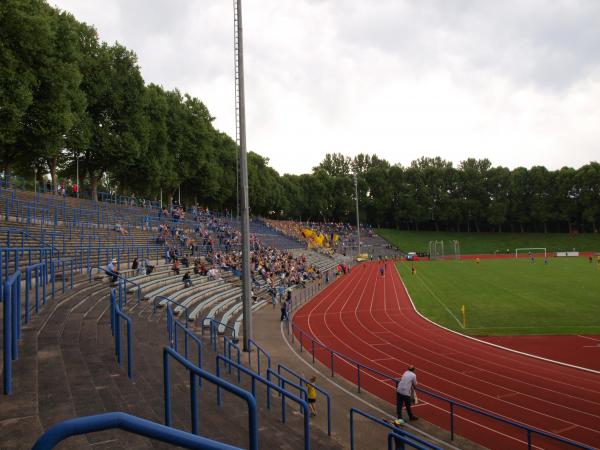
(531, 250)
(436, 249)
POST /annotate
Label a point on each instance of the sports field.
(471, 243)
(508, 297)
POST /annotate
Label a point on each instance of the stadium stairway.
(67, 368)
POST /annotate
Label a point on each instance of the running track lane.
(370, 319)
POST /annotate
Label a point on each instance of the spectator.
(187, 279)
(135, 265)
(405, 391)
(175, 266)
(111, 271)
(149, 266)
(119, 229)
(312, 396)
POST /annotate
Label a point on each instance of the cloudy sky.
(516, 81)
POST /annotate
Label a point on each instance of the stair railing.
(194, 372)
(133, 424)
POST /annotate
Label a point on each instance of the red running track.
(370, 319)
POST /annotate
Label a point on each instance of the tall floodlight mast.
(240, 131)
(357, 215)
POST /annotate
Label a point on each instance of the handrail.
(269, 385)
(282, 381)
(170, 300)
(227, 346)
(394, 429)
(133, 424)
(221, 383)
(11, 331)
(530, 430)
(259, 350)
(213, 328)
(394, 438)
(41, 275)
(120, 277)
(186, 332)
(301, 379)
(117, 315)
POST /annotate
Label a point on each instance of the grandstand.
(64, 310)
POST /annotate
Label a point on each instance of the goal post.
(436, 250)
(531, 250)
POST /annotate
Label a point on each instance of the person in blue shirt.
(111, 270)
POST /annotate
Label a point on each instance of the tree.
(25, 39)
(57, 100)
(112, 130)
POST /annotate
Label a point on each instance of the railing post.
(166, 388)
(7, 342)
(194, 402)
(129, 351)
(351, 429)
(332, 371)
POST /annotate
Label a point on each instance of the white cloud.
(517, 82)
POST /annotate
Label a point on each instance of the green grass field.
(470, 243)
(508, 297)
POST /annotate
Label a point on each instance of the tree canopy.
(68, 99)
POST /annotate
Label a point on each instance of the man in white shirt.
(404, 391)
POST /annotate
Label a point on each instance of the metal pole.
(245, 213)
(357, 216)
(179, 196)
(160, 198)
(77, 177)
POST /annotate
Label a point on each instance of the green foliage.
(68, 98)
(479, 243)
(508, 297)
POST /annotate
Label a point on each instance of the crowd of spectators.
(336, 236)
(212, 244)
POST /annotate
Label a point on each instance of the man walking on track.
(404, 392)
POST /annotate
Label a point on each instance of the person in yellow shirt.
(312, 396)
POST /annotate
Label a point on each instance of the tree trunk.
(477, 226)
(545, 227)
(521, 226)
(94, 186)
(437, 227)
(170, 200)
(53, 176)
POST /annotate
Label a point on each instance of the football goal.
(436, 249)
(530, 250)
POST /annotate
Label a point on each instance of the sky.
(514, 81)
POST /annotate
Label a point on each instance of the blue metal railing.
(254, 378)
(228, 346)
(12, 326)
(214, 332)
(41, 276)
(397, 441)
(392, 382)
(162, 298)
(216, 380)
(186, 333)
(123, 279)
(283, 382)
(259, 351)
(132, 424)
(395, 430)
(302, 380)
(116, 316)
